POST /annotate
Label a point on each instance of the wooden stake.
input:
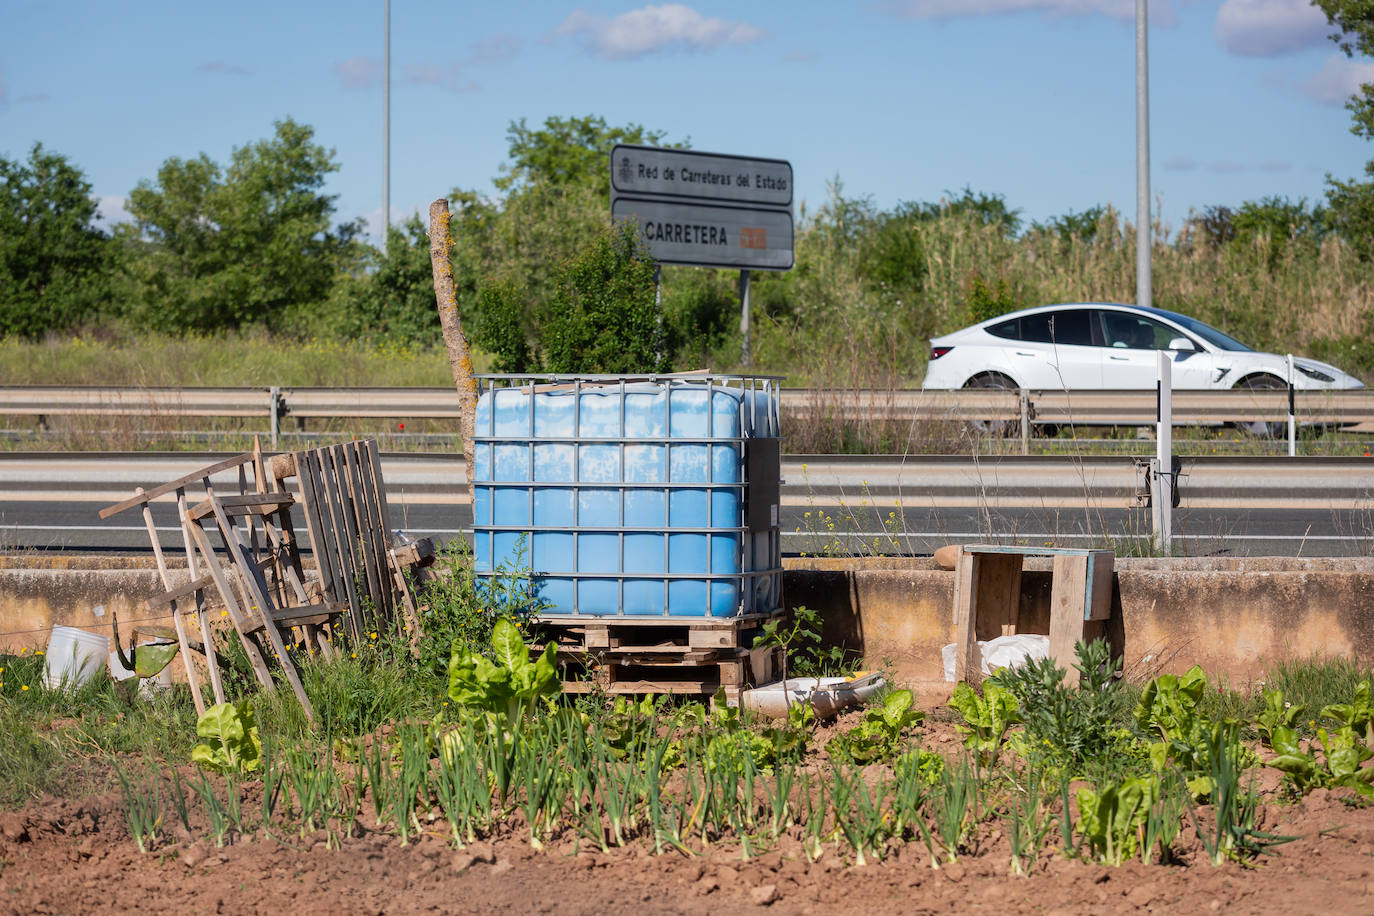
(456, 342)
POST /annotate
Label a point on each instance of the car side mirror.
(1183, 344)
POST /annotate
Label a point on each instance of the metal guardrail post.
(274, 409)
(1025, 422)
(1162, 506)
(1292, 418)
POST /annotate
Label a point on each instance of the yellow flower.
(355, 654)
(374, 635)
(25, 687)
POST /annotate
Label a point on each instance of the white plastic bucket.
(73, 656)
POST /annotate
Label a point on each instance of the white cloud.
(655, 29)
(1337, 80)
(111, 209)
(1160, 13)
(1269, 28)
(359, 73)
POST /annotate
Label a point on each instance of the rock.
(192, 855)
(13, 828)
(482, 852)
(953, 871)
(764, 895)
(947, 556)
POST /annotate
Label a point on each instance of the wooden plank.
(207, 635)
(226, 592)
(966, 661)
(340, 539)
(363, 539)
(999, 594)
(251, 578)
(307, 474)
(163, 489)
(1101, 569)
(249, 504)
(192, 679)
(1068, 600)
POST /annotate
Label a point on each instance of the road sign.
(711, 235)
(706, 209)
(647, 171)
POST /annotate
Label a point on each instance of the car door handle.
(1120, 359)
(1022, 353)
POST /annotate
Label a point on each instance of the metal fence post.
(1025, 422)
(274, 408)
(1162, 503)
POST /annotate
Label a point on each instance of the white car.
(1108, 345)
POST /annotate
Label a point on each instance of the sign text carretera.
(706, 209)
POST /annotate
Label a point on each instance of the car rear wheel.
(993, 427)
(1261, 428)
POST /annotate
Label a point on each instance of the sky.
(901, 100)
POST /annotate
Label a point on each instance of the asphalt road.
(73, 526)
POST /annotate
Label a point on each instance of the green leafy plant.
(229, 740)
(508, 684)
(1073, 728)
(1357, 715)
(1112, 818)
(803, 652)
(1276, 714)
(1343, 756)
(986, 718)
(1169, 707)
(879, 733)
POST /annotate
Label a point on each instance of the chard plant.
(1112, 817)
(986, 718)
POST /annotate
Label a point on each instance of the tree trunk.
(459, 357)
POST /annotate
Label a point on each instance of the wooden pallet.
(689, 656)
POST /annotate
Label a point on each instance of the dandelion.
(355, 654)
(373, 635)
(25, 687)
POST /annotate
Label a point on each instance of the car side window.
(1131, 332)
(1006, 329)
(1067, 328)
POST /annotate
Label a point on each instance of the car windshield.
(1205, 331)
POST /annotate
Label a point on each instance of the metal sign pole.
(1163, 502)
(744, 316)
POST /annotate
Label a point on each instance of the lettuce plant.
(986, 718)
(229, 740)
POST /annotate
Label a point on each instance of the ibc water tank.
(631, 496)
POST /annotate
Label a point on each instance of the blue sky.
(903, 100)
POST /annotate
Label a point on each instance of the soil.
(66, 855)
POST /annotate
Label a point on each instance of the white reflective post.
(1163, 502)
(1292, 420)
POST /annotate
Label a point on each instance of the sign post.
(707, 210)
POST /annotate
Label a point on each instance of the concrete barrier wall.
(1229, 615)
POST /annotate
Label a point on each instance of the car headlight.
(1315, 374)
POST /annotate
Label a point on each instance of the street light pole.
(386, 131)
(1143, 293)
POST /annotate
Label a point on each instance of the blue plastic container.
(628, 496)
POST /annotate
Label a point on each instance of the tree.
(392, 296)
(568, 151)
(54, 262)
(604, 318)
(1351, 202)
(224, 248)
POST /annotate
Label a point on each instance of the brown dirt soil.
(76, 856)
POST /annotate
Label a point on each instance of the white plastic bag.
(1002, 652)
